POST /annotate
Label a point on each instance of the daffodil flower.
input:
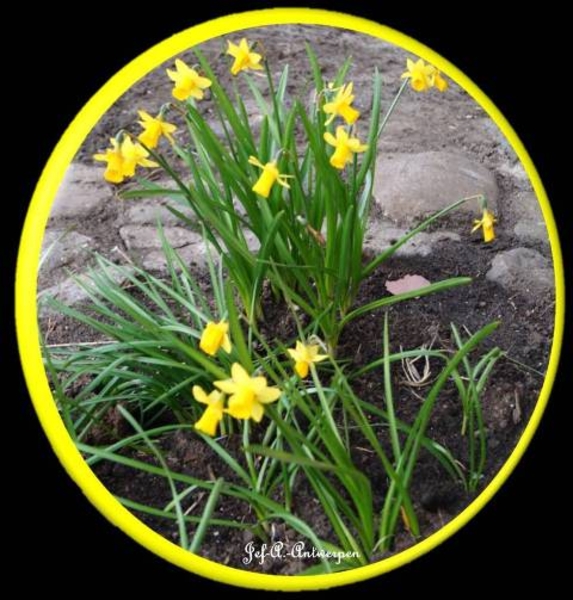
(486, 223)
(345, 146)
(420, 74)
(112, 156)
(153, 129)
(341, 106)
(268, 178)
(188, 83)
(439, 82)
(304, 355)
(213, 414)
(244, 58)
(122, 159)
(215, 336)
(133, 155)
(248, 395)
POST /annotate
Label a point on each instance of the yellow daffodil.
(133, 155)
(188, 83)
(248, 395)
(112, 156)
(268, 178)
(122, 159)
(244, 58)
(213, 414)
(439, 82)
(304, 355)
(340, 106)
(486, 223)
(153, 129)
(420, 74)
(345, 147)
(215, 336)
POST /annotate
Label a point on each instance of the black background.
(518, 59)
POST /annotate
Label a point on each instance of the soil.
(525, 333)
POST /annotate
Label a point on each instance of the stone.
(192, 255)
(83, 192)
(523, 270)
(382, 234)
(529, 223)
(409, 187)
(64, 248)
(138, 237)
(149, 211)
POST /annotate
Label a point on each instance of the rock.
(61, 248)
(70, 291)
(138, 237)
(409, 187)
(147, 212)
(523, 270)
(526, 212)
(381, 235)
(82, 192)
(191, 255)
(516, 172)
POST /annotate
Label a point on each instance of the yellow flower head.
(268, 178)
(215, 336)
(345, 147)
(486, 223)
(304, 355)
(248, 395)
(213, 414)
(122, 159)
(133, 155)
(420, 74)
(340, 106)
(153, 129)
(244, 58)
(439, 82)
(112, 156)
(188, 83)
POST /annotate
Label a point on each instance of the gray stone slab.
(138, 237)
(82, 193)
(409, 187)
(523, 270)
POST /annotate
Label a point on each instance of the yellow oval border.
(26, 309)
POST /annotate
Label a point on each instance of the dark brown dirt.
(508, 400)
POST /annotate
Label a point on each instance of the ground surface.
(436, 149)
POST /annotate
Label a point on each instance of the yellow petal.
(268, 395)
(199, 394)
(226, 345)
(239, 374)
(329, 138)
(257, 412)
(227, 385)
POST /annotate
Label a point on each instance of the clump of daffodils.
(122, 158)
(243, 396)
(424, 76)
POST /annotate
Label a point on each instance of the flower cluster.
(122, 159)
(247, 395)
(424, 76)
(345, 146)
